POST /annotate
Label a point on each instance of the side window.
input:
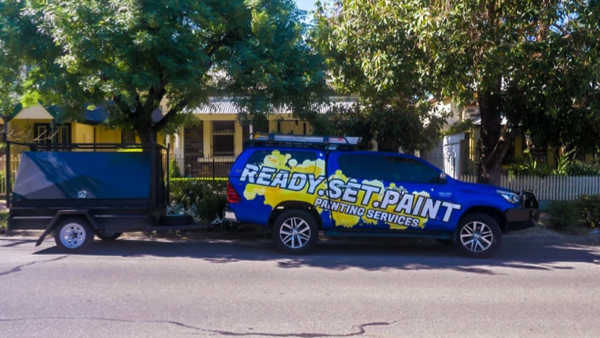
(295, 157)
(409, 170)
(362, 166)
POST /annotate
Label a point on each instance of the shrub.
(588, 207)
(562, 215)
(202, 199)
(174, 171)
(577, 168)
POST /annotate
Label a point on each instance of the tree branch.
(172, 112)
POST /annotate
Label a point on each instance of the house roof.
(477, 122)
(228, 106)
(90, 117)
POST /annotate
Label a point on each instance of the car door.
(354, 185)
(417, 197)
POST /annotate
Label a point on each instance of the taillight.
(232, 195)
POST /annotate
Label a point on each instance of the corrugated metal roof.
(229, 107)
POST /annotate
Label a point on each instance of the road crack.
(359, 329)
(18, 268)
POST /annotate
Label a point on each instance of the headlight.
(509, 196)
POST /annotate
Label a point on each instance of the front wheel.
(479, 236)
(295, 232)
(73, 234)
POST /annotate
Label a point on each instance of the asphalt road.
(215, 288)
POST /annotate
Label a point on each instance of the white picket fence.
(551, 188)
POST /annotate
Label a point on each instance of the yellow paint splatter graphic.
(349, 221)
(287, 167)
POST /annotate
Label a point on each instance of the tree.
(136, 56)
(372, 53)
(534, 63)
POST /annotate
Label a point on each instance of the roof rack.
(308, 141)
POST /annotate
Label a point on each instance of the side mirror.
(443, 179)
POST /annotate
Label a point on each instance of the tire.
(73, 234)
(487, 241)
(301, 222)
(110, 238)
(446, 242)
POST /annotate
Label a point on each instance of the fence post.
(213, 171)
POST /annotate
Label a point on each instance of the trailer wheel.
(108, 238)
(73, 234)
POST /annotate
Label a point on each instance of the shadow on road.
(369, 256)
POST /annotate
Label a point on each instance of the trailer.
(78, 191)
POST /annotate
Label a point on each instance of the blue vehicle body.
(364, 193)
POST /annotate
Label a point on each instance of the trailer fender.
(62, 213)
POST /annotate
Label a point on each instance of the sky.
(307, 5)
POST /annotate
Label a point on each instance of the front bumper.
(527, 216)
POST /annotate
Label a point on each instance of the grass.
(3, 216)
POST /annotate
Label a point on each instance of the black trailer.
(78, 191)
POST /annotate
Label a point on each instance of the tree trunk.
(146, 134)
(494, 142)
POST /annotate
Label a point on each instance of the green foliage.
(465, 126)
(588, 207)
(578, 168)
(532, 167)
(3, 217)
(174, 171)
(372, 52)
(187, 191)
(203, 199)
(562, 215)
(529, 167)
(520, 60)
(133, 57)
(583, 213)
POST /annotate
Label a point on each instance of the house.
(38, 124)
(210, 146)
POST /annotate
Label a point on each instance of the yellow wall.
(518, 147)
(105, 135)
(82, 133)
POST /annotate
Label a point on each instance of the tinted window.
(408, 170)
(366, 167)
(257, 158)
(389, 168)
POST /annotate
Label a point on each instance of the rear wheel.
(479, 236)
(73, 234)
(295, 232)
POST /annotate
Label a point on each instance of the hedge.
(202, 198)
(583, 213)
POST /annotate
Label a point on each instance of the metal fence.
(216, 167)
(14, 164)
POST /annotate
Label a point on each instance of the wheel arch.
(65, 214)
(290, 205)
(493, 212)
